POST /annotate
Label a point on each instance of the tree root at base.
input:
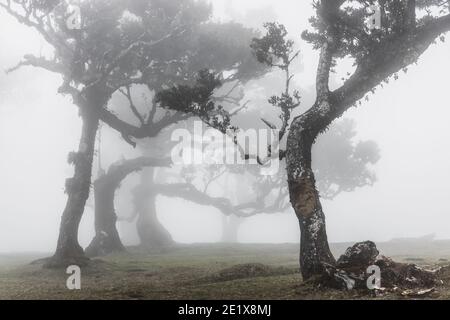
(355, 269)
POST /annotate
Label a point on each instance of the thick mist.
(407, 119)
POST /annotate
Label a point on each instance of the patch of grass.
(190, 272)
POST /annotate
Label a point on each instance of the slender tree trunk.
(68, 250)
(107, 239)
(230, 228)
(151, 232)
(314, 248)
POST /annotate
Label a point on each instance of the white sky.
(408, 119)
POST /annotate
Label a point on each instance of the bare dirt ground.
(208, 271)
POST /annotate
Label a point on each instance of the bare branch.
(133, 108)
(39, 62)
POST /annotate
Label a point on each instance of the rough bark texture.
(151, 232)
(68, 250)
(314, 248)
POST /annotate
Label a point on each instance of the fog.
(407, 119)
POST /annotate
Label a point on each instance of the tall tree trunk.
(151, 232)
(107, 239)
(68, 250)
(314, 248)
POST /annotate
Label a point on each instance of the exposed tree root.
(351, 272)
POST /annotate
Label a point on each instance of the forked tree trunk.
(151, 232)
(68, 250)
(314, 249)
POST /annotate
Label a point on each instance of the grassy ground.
(201, 272)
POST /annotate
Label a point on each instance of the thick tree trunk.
(315, 253)
(314, 248)
(107, 239)
(316, 259)
(68, 250)
(151, 232)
